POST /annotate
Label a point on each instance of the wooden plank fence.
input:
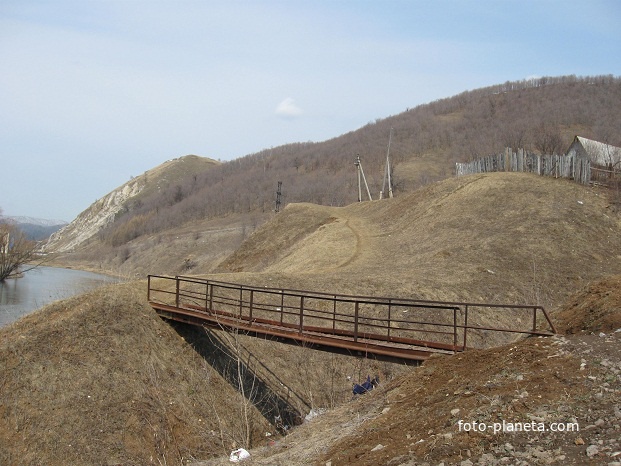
(558, 166)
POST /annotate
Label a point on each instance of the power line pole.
(278, 196)
(361, 172)
(387, 172)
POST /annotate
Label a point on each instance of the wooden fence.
(558, 166)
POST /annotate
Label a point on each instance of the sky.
(94, 92)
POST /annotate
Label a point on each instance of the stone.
(592, 450)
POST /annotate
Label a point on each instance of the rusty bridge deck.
(391, 328)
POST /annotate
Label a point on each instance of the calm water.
(38, 287)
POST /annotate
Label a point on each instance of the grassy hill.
(491, 237)
(99, 379)
(223, 203)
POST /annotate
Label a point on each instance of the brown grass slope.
(100, 379)
(596, 308)
(97, 380)
(500, 237)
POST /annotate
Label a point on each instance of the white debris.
(239, 455)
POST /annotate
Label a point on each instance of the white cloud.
(288, 109)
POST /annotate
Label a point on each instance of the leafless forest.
(541, 115)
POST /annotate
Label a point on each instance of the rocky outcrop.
(105, 210)
(97, 216)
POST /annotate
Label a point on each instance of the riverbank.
(63, 262)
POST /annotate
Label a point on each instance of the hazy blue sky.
(93, 92)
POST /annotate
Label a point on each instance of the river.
(41, 286)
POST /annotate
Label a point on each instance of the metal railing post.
(534, 318)
(177, 291)
(389, 318)
(334, 314)
(455, 329)
(282, 305)
(250, 304)
(465, 325)
(545, 314)
(301, 313)
(210, 297)
(356, 308)
(206, 295)
(241, 301)
(149, 288)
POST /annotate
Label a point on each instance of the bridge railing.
(441, 325)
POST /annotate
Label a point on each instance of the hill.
(226, 202)
(121, 200)
(99, 379)
(490, 237)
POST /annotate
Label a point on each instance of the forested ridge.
(540, 115)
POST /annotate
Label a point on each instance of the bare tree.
(548, 139)
(15, 250)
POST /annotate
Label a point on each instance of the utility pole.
(387, 172)
(278, 196)
(361, 172)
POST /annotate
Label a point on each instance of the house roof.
(598, 152)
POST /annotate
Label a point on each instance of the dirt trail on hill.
(501, 237)
(344, 242)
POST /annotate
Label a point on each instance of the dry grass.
(100, 379)
(196, 247)
(597, 308)
(496, 237)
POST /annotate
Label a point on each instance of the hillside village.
(101, 379)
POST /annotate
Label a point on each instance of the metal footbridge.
(399, 329)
